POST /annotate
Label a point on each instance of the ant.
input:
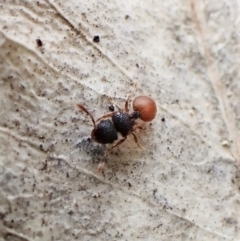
(106, 130)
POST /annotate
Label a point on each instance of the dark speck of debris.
(39, 42)
(96, 39)
(129, 184)
(70, 213)
(41, 147)
(154, 191)
(127, 17)
(44, 166)
(67, 175)
(137, 65)
(163, 119)
(111, 107)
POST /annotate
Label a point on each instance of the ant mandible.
(106, 130)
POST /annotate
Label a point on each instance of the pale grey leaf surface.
(184, 184)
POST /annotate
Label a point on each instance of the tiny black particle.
(154, 191)
(39, 42)
(70, 212)
(163, 119)
(96, 39)
(111, 107)
(41, 147)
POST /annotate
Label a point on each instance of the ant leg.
(136, 140)
(102, 163)
(128, 99)
(113, 104)
(81, 107)
(118, 107)
(118, 143)
(127, 103)
(109, 114)
(138, 126)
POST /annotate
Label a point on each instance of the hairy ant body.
(106, 130)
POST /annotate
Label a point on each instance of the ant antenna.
(85, 110)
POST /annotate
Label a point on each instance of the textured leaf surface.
(184, 185)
